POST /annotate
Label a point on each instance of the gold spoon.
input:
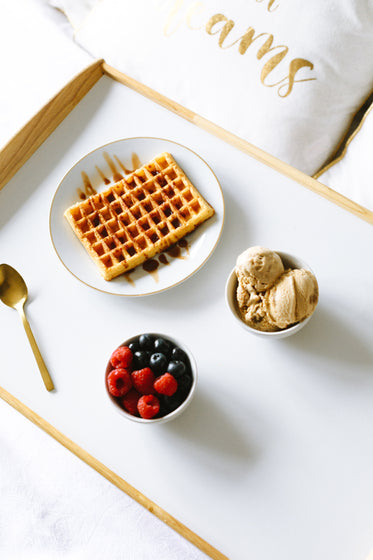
(13, 292)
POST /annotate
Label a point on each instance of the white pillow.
(293, 91)
(45, 57)
(352, 175)
(75, 10)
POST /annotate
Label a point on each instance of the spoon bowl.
(13, 292)
(13, 289)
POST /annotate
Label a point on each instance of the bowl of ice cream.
(151, 378)
(271, 293)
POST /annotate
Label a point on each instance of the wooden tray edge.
(112, 477)
(257, 153)
(21, 147)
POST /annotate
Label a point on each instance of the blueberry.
(179, 354)
(164, 406)
(158, 363)
(134, 347)
(172, 403)
(184, 384)
(177, 368)
(163, 346)
(141, 359)
(146, 341)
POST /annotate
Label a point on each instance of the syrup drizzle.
(151, 266)
(87, 190)
(183, 243)
(136, 163)
(163, 259)
(113, 168)
(125, 170)
(101, 173)
(128, 278)
(175, 252)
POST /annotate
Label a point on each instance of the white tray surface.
(273, 457)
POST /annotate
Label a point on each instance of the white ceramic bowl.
(289, 261)
(180, 408)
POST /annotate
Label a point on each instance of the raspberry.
(121, 357)
(130, 400)
(166, 385)
(142, 380)
(148, 406)
(119, 382)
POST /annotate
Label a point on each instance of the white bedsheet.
(53, 506)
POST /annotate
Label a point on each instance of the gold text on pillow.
(230, 35)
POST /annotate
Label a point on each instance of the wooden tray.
(23, 145)
(14, 156)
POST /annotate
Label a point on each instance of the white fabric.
(76, 11)
(54, 507)
(353, 174)
(39, 58)
(165, 45)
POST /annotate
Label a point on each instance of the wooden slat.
(112, 477)
(21, 147)
(243, 145)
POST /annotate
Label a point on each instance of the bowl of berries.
(151, 378)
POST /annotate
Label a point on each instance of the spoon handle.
(42, 367)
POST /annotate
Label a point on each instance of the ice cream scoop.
(274, 292)
(258, 268)
(252, 308)
(292, 298)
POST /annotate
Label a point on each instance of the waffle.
(138, 217)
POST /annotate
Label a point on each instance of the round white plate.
(102, 167)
